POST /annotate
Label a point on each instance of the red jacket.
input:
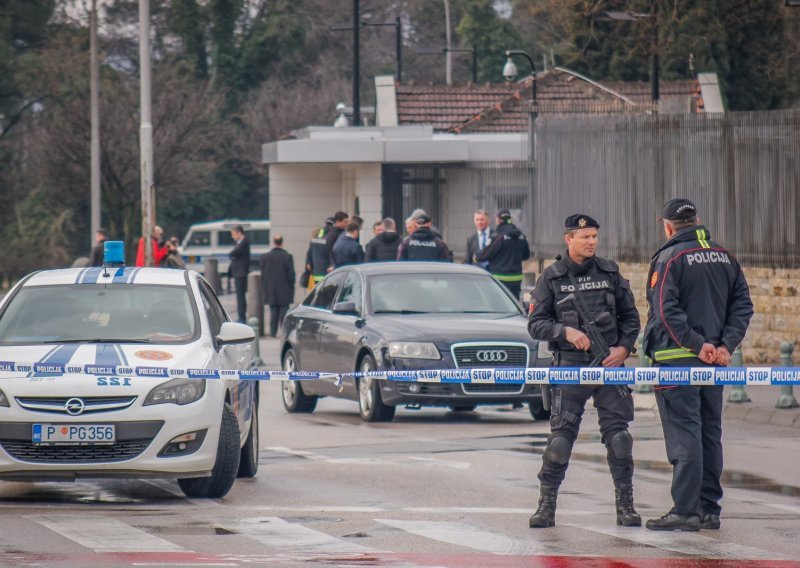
(159, 253)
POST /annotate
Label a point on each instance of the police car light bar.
(114, 253)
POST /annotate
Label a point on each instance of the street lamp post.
(446, 50)
(146, 131)
(356, 64)
(509, 74)
(356, 26)
(94, 97)
(635, 17)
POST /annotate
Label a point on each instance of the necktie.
(483, 240)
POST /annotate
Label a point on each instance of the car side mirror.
(232, 333)
(345, 308)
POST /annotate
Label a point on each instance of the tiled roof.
(446, 105)
(498, 108)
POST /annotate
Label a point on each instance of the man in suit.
(480, 239)
(277, 280)
(96, 258)
(239, 268)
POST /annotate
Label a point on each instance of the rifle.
(597, 343)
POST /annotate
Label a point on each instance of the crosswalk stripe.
(104, 534)
(685, 543)
(468, 536)
(280, 534)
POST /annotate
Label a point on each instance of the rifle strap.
(579, 296)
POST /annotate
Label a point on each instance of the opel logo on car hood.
(74, 406)
(493, 356)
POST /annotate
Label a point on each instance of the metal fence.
(451, 193)
(741, 169)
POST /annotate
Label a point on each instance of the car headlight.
(408, 350)
(177, 391)
(3, 399)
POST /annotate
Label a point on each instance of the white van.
(213, 239)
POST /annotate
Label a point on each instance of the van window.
(260, 237)
(200, 239)
(224, 238)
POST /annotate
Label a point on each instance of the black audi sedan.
(408, 315)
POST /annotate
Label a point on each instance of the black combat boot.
(626, 514)
(545, 515)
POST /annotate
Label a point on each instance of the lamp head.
(509, 70)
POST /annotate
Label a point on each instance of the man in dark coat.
(385, 244)
(508, 249)
(347, 249)
(424, 245)
(277, 280)
(100, 237)
(340, 222)
(239, 269)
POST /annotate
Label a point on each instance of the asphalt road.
(432, 488)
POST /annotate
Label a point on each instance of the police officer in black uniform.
(317, 255)
(508, 249)
(555, 318)
(423, 244)
(699, 309)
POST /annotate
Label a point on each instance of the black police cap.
(329, 220)
(679, 209)
(575, 222)
(423, 219)
(504, 214)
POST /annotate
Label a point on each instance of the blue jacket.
(347, 251)
(696, 294)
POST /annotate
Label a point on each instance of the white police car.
(57, 424)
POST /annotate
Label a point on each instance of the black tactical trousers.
(614, 406)
(241, 298)
(692, 420)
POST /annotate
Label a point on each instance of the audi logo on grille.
(74, 406)
(492, 356)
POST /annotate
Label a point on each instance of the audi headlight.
(3, 399)
(177, 391)
(407, 350)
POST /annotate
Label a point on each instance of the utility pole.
(146, 131)
(449, 56)
(94, 98)
(356, 64)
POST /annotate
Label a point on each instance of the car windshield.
(97, 313)
(439, 293)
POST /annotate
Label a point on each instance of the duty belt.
(571, 358)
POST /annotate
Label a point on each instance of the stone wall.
(776, 300)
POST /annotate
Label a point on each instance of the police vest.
(597, 286)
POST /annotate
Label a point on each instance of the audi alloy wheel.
(294, 399)
(371, 405)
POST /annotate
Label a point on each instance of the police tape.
(669, 376)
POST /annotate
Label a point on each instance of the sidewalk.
(760, 411)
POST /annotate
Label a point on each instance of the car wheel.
(463, 407)
(370, 403)
(537, 410)
(223, 475)
(248, 463)
(294, 399)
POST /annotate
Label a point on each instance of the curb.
(785, 417)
